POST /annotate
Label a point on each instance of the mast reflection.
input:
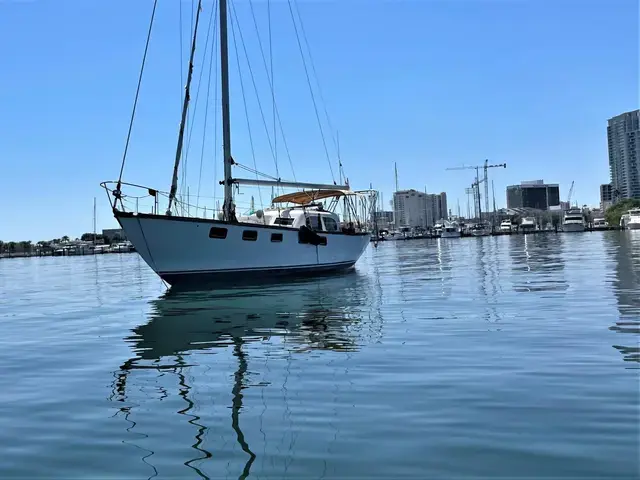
(309, 315)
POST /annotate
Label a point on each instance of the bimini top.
(309, 196)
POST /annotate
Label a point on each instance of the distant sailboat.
(302, 238)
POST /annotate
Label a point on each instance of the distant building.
(410, 208)
(113, 233)
(534, 194)
(606, 196)
(436, 208)
(623, 135)
(384, 219)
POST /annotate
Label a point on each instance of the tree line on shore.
(27, 246)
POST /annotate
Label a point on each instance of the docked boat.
(297, 235)
(600, 224)
(506, 226)
(450, 230)
(480, 230)
(632, 222)
(528, 224)
(573, 221)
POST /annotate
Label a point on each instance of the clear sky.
(428, 84)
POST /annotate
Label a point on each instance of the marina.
(332, 240)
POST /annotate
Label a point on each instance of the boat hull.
(450, 235)
(633, 225)
(573, 227)
(183, 250)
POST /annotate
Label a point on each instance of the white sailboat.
(304, 238)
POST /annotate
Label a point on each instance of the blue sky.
(428, 84)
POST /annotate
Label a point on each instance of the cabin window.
(313, 221)
(330, 225)
(217, 232)
(276, 237)
(250, 235)
(283, 221)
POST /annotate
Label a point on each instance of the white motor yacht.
(506, 226)
(600, 224)
(528, 224)
(633, 219)
(573, 220)
(450, 230)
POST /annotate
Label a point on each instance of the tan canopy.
(310, 196)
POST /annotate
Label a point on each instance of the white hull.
(180, 249)
(633, 225)
(573, 227)
(450, 235)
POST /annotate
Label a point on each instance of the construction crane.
(570, 194)
(477, 182)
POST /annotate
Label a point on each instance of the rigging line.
(135, 102)
(257, 172)
(315, 74)
(181, 50)
(206, 111)
(244, 97)
(215, 135)
(179, 148)
(190, 118)
(313, 98)
(204, 55)
(195, 105)
(181, 74)
(255, 87)
(273, 95)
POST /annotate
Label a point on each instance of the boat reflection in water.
(626, 284)
(185, 328)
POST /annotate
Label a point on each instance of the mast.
(493, 190)
(94, 220)
(228, 207)
(395, 207)
(395, 165)
(185, 107)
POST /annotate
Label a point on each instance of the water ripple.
(518, 354)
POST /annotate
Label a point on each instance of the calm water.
(490, 357)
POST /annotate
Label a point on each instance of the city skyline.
(424, 97)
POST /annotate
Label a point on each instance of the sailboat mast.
(226, 123)
(94, 220)
(185, 108)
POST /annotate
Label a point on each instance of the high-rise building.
(606, 196)
(443, 209)
(436, 205)
(410, 208)
(535, 194)
(623, 135)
